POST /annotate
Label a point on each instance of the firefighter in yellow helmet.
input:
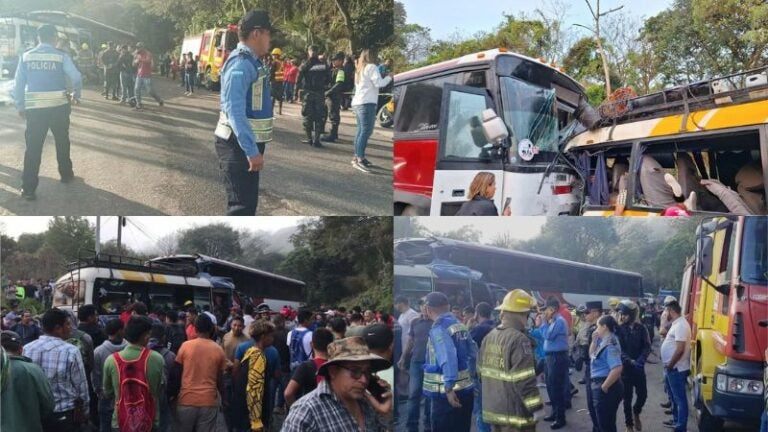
(277, 79)
(613, 302)
(507, 371)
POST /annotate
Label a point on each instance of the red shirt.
(291, 73)
(566, 314)
(125, 317)
(319, 362)
(143, 62)
(191, 333)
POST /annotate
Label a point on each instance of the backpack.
(296, 348)
(136, 406)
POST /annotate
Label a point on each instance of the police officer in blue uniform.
(605, 369)
(555, 332)
(41, 97)
(246, 119)
(450, 368)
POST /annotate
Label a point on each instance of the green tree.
(218, 240)
(70, 236)
(31, 242)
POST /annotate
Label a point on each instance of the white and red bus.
(440, 144)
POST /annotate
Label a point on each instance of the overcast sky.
(521, 228)
(446, 17)
(142, 231)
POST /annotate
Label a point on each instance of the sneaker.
(360, 167)
(29, 196)
(366, 162)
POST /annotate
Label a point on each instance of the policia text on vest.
(42, 98)
(245, 123)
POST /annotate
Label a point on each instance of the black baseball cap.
(10, 340)
(436, 299)
(592, 305)
(339, 56)
(255, 19)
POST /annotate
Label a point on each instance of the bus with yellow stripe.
(711, 136)
(111, 282)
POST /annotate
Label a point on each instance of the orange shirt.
(202, 361)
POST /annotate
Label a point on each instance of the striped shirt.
(62, 365)
(321, 410)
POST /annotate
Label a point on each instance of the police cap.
(592, 305)
(436, 299)
(47, 31)
(255, 19)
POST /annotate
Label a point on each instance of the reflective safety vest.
(258, 101)
(20, 292)
(506, 367)
(46, 80)
(278, 68)
(449, 338)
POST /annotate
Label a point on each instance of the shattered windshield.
(530, 112)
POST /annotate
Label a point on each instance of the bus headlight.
(721, 382)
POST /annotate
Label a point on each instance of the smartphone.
(376, 389)
(506, 203)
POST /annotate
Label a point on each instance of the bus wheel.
(208, 80)
(709, 423)
(410, 210)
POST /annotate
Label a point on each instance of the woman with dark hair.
(480, 196)
(606, 386)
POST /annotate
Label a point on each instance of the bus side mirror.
(724, 289)
(704, 256)
(493, 127)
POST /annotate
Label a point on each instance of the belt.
(555, 352)
(599, 379)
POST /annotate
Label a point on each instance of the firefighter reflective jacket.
(451, 357)
(506, 368)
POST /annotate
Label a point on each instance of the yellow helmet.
(277, 51)
(613, 302)
(84, 46)
(517, 300)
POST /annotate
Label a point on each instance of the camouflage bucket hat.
(352, 349)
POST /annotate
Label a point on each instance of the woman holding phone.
(481, 193)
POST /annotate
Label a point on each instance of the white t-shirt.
(367, 88)
(405, 320)
(247, 320)
(679, 332)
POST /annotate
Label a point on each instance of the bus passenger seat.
(749, 185)
(655, 189)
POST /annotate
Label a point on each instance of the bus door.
(463, 149)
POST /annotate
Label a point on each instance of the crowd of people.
(189, 369)
(469, 363)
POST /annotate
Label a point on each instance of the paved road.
(162, 162)
(578, 419)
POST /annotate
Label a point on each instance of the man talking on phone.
(245, 122)
(342, 401)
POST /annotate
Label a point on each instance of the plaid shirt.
(63, 366)
(320, 411)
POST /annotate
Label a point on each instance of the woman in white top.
(368, 81)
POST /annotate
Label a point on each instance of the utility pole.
(120, 220)
(98, 235)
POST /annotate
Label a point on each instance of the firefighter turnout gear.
(506, 367)
(517, 300)
(450, 366)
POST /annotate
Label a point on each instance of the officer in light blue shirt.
(555, 332)
(245, 123)
(42, 99)
(605, 384)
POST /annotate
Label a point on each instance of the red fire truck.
(213, 46)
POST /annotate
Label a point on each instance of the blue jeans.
(127, 82)
(145, 83)
(288, 89)
(677, 385)
(189, 81)
(477, 410)
(416, 373)
(764, 422)
(366, 116)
